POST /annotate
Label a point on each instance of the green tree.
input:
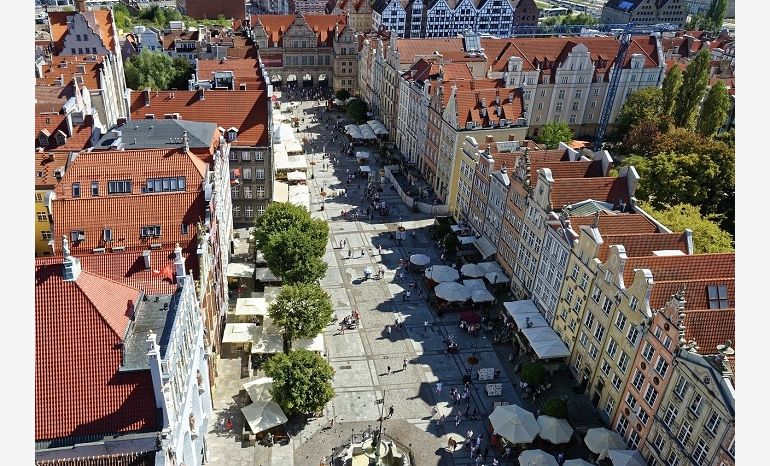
(122, 16)
(555, 407)
(533, 373)
(642, 105)
(183, 70)
(694, 82)
(713, 112)
(715, 15)
(671, 84)
(149, 69)
(357, 111)
(293, 254)
(302, 381)
(707, 235)
(638, 139)
(278, 217)
(342, 94)
(551, 134)
(302, 310)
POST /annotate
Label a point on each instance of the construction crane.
(609, 101)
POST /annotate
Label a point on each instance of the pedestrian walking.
(438, 388)
(478, 440)
(404, 367)
(362, 252)
(379, 249)
(388, 370)
(433, 412)
(469, 435)
(350, 253)
(426, 325)
(457, 419)
(408, 294)
(403, 296)
(560, 458)
(478, 459)
(441, 420)
(390, 411)
(467, 410)
(388, 329)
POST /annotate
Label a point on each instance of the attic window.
(147, 231)
(717, 295)
(43, 140)
(77, 235)
(232, 134)
(59, 139)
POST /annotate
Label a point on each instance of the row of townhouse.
(359, 13)
(611, 281)
(447, 18)
(480, 86)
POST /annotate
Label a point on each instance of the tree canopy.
(643, 105)
(555, 407)
(707, 236)
(302, 310)
(533, 373)
(694, 83)
(155, 70)
(551, 134)
(302, 381)
(671, 84)
(342, 94)
(580, 18)
(713, 112)
(278, 217)
(158, 17)
(357, 110)
(715, 15)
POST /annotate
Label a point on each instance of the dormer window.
(232, 134)
(60, 138)
(77, 235)
(717, 296)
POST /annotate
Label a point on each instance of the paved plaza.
(361, 357)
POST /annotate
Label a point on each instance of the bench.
(494, 389)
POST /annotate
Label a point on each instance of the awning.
(535, 320)
(263, 415)
(466, 240)
(364, 168)
(311, 344)
(259, 389)
(296, 176)
(471, 270)
(239, 270)
(496, 277)
(251, 307)
(525, 306)
(267, 343)
(490, 266)
(240, 333)
(537, 334)
(452, 291)
(479, 292)
(280, 192)
(441, 273)
(291, 77)
(485, 247)
(264, 274)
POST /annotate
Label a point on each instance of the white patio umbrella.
(452, 291)
(490, 267)
(577, 462)
(419, 259)
(262, 415)
(601, 438)
(472, 270)
(537, 458)
(496, 277)
(441, 273)
(554, 430)
(514, 423)
(626, 458)
(479, 295)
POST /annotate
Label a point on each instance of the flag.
(167, 272)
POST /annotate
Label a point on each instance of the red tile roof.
(99, 20)
(63, 69)
(48, 124)
(616, 224)
(242, 52)
(323, 25)
(125, 214)
(571, 190)
(211, 9)
(79, 327)
(411, 49)
(46, 164)
(457, 71)
(566, 169)
(683, 268)
(243, 109)
(275, 26)
(643, 244)
(169, 38)
(50, 98)
(696, 292)
(710, 328)
(244, 70)
(470, 98)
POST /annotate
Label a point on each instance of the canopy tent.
(280, 193)
(466, 240)
(251, 307)
(240, 333)
(377, 127)
(479, 292)
(496, 277)
(490, 266)
(419, 259)
(626, 458)
(550, 349)
(270, 327)
(353, 131)
(262, 415)
(315, 344)
(514, 423)
(535, 320)
(299, 194)
(238, 270)
(485, 247)
(525, 306)
(362, 154)
(474, 283)
(601, 438)
(283, 134)
(259, 389)
(471, 270)
(264, 274)
(296, 176)
(470, 317)
(537, 334)
(365, 169)
(554, 430)
(537, 458)
(441, 273)
(267, 343)
(366, 132)
(452, 291)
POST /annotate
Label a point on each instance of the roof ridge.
(120, 333)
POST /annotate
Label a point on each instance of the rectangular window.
(247, 173)
(589, 320)
(45, 235)
(607, 305)
(696, 403)
(75, 189)
(575, 106)
(570, 294)
(574, 273)
(638, 381)
(673, 459)
(661, 367)
(579, 92)
(659, 442)
(119, 187)
(185, 228)
(259, 155)
(247, 192)
(107, 234)
(148, 231)
(648, 351)
(622, 426)
(633, 303)
(609, 406)
(562, 93)
(245, 155)
(593, 351)
(612, 347)
(632, 335)
(584, 282)
(260, 192)
(249, 211)
(670, 416)
(234, 193)
(712, 425)
(42, 217)
(237, 211)
(650, 395)
(590, 116)
(701, 452)
(38, 197)
(717, 295)
(94, 188)
(599, 332)
(605, 367)
(623, 362)
(616, 382)
(620, 321)
(667, 342)
(584, 339)
(644, 418)
(77, 235)
(259, 174)
(573, 118)
(559, 106)
(542, 93)
(684, 432)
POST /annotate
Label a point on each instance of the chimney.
(146, 255)
(511, 137)
(80, 5)
(489, 139)
(179, 266)
(156, 372)
(201, 94)
(71, 264)
(146, 93)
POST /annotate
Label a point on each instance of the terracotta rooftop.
(275, 26)
(50, 99)
(323, 25)
(696, 292)
(457, 71)
(243, 109)
(126, 214)
(64, 69)
(169, 38)
(244, 70)
(567, 191)
(242, 52)
(411, 49)
(617, 224)
(47, 124)
(46, 164)
(566, 169)
(644, 244)
(99, 20)
(683, 268)
(710, 328)
(79, 327)
(471, 106)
